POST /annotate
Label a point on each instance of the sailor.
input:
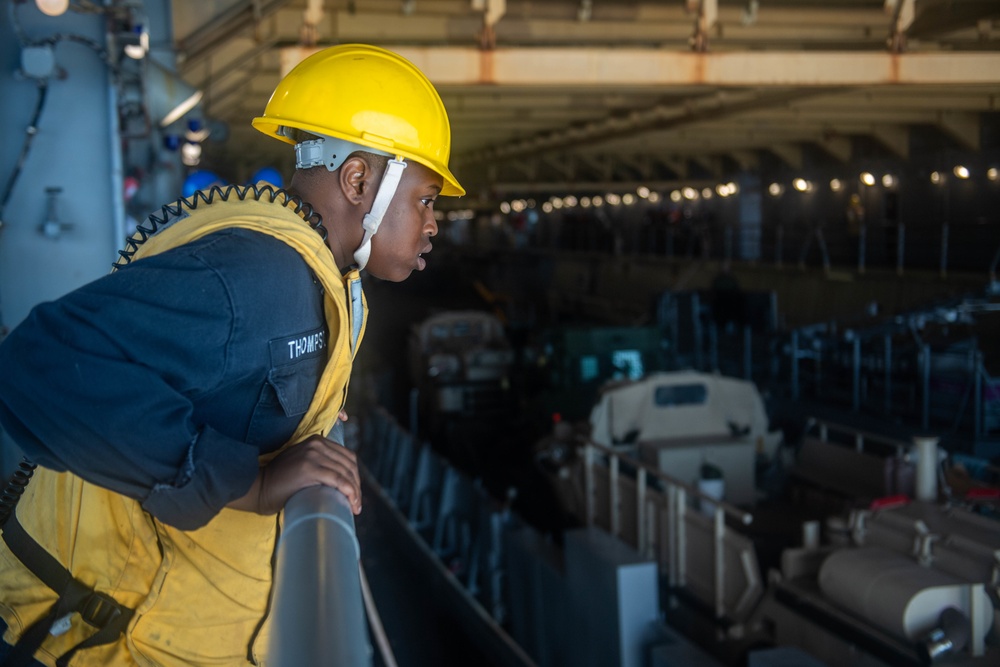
(174, 405)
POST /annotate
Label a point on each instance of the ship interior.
(700, 371)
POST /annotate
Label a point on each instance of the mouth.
(421, 262)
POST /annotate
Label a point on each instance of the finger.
(343, 483)
(332, 465)
(342, 416)
(343, 458)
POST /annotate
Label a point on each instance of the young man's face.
(405, 232)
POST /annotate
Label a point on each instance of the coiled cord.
(170, 212)
(14, 489)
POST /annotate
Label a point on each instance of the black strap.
(97, 609)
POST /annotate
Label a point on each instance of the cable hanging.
(170, 212)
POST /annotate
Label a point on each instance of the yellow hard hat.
(368, 96)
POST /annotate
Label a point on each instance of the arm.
(103, 383)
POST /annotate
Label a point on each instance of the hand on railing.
(312, 462)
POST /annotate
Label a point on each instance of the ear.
(355, 179)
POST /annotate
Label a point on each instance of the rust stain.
(487, 67)
(894, 67)
(698, 71)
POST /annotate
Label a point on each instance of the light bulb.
(52, 7)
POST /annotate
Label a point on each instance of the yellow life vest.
(199, 596)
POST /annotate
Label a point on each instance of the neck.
(337, 219)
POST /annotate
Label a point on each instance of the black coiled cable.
(14, 489)
(170, 212)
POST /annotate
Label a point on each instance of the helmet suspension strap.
(386, 190)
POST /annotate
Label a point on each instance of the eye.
(428, 201)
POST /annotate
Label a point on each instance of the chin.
(392, 277)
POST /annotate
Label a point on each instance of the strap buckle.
(100, 610)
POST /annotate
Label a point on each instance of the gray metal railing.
(318, 610)
(666, 527)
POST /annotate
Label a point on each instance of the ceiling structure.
(577, 95)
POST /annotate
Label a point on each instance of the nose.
(430, 224)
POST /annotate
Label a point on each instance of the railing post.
(680, 542)
(979, 428)
(719, 536)
(713, 346)
(778, 242)
(862, 233)
(588, 482)
(697, 331)
(414, 411)
(925, 385)
(747, 352)
(888, 374)
(640, 511)
(900, 248)
(671, 523)
(944, 250)
(613, 514)
(794, 357)
(927, 468)
(856, 374)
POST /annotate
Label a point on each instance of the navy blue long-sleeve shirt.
(165, 380)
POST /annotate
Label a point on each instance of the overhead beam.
(586, 187)
(963, 127)
(746, 159)
(224, 26)
(677, 165)
(710, 163)
(791, 154)
(894, 137)
(547, 66)
(837, 146)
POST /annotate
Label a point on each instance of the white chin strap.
(386, 189)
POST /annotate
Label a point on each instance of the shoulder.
(241, 247)
(232, 254)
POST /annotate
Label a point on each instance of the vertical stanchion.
(719, 533)
(977, 386)
(944, 250)
(747, 352)
(613, 506)
(862, 233)
(778, 241)
(794, 357)
(679, 518)
(900, 248)
(856, 374)
(713, 346)
(888, 373)
(640, 511)
(697, 332)
(414, 411)
(925, 386)
(927, 468)
(588, 482)
(672, 554)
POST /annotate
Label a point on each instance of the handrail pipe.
(317, 610)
